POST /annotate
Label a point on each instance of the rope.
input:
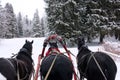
(70, 53)
(18, 76)
(99, 67)
(51, 67)
(18, 73)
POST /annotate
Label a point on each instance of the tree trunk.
(101, 37)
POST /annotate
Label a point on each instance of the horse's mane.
(26, 51)
(23, 53)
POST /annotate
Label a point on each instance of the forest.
(68, 18)
(15, 25)
(89, 18)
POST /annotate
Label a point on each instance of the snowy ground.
(9, 46)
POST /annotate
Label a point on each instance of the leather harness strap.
(90, 57)
(53, 62)
(21, 64)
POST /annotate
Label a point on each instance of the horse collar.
(24, 50)
(26, 53)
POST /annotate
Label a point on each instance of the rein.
(99, 66)
(21, 64)
(18, 73)
(51, 67)
(83, 73)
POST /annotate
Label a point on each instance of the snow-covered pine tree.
(1, 21)
(63, 17)
(42, 24)
(50, 14)
(37, 28)
(115, 18)
(10, 22)
(27, 26)
(20, 25)
(94, 20)
(46, 28)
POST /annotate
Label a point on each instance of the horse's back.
(7, 69)
(106, 60)
(61, 70)
(102, 63)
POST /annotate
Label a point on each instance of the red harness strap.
(52, 49)
(75, 78)
(38, 67)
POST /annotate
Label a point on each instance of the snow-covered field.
(9, 46)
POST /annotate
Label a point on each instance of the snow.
(2, 77)
(9, 46)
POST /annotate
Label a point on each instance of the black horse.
(61, 67)
(20, 67)
(94, 65)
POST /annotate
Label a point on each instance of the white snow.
(2, 77)
(9, 46)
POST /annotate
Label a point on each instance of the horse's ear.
(26, 41)
(31, 41)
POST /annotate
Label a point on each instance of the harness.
(99, 67)
(81, 60)
(90, 57)
(53, 62)
(21, 64)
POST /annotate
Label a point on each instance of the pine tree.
(50, 15)
(115, 17)
(91, 18)
(42, 27)
(94, 20)
(27, 26)
(46, 28)
(20, 25)
(63, 17)
(1, 21)
(37, 28)
(10, 22)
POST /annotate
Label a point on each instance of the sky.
(9, 46)
(27, 7)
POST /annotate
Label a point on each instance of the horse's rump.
(97, 64)
(61, 70)
(6, 66)
(105, 63)
(94, 65)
